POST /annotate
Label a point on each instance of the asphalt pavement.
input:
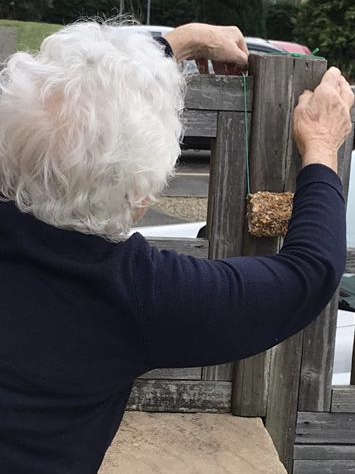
(191, 180)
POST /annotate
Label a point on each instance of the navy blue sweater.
(81, 318)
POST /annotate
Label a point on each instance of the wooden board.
(350, 261)
(192, 373)
(317, 360)
(195, 247)
(274, 162)
(343, 400)
(222, 93)
(325, 428)
(324, 452)
(324, 467)
(181, 396)
(200, 123)
(226, 202)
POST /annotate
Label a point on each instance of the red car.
(291, 47)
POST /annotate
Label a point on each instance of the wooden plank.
(199, 123)
(250, 385)
(324, 452)
(350, 261)
(227, 190)
(181, 396)
(275, 88)
(324, 467)
(252, 375)
(325, 428)
(343, 400)
(286, 361)
(281, 412)
(222, 93)
(222, 372)
(319, 337)
(226, 203)
(278, 82)
(317, 361)
(195, 247)
(191, 373)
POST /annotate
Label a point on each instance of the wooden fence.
(290, 386)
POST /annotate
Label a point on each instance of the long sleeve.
(201, 312)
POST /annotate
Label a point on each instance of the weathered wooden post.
(296, 375)
(267, 385)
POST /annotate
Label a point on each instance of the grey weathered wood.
(324, 452)
(353, 109)
(286, 361)
(343, 400)
(194, 247)
(281, 411)
(251, 375)
(192, 373)
(325, 428)
(181, 396)
(350, 261)
(317, 361)
(319, 337)
(227, 191)
(200, 123)
(324, 467)
(223, 372)
(222, 93)
(250, 385)
(278, 82)
(226, 203)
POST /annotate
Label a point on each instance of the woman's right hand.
(322, 120)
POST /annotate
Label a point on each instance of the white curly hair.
(89, 127)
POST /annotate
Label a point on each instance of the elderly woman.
(89, 134)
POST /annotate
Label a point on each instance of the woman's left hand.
(225, 46)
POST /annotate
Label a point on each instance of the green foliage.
(249, 16)
(281, 20)
(29, 10)
(66, 11)
(330, 26)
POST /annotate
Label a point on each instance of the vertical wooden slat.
(271, 110)
(286, 367)
(319, 337)
(278, 82)
(226, 206)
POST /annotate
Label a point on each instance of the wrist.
(185, 40)
(322, 155)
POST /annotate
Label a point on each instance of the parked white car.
(346, 317)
